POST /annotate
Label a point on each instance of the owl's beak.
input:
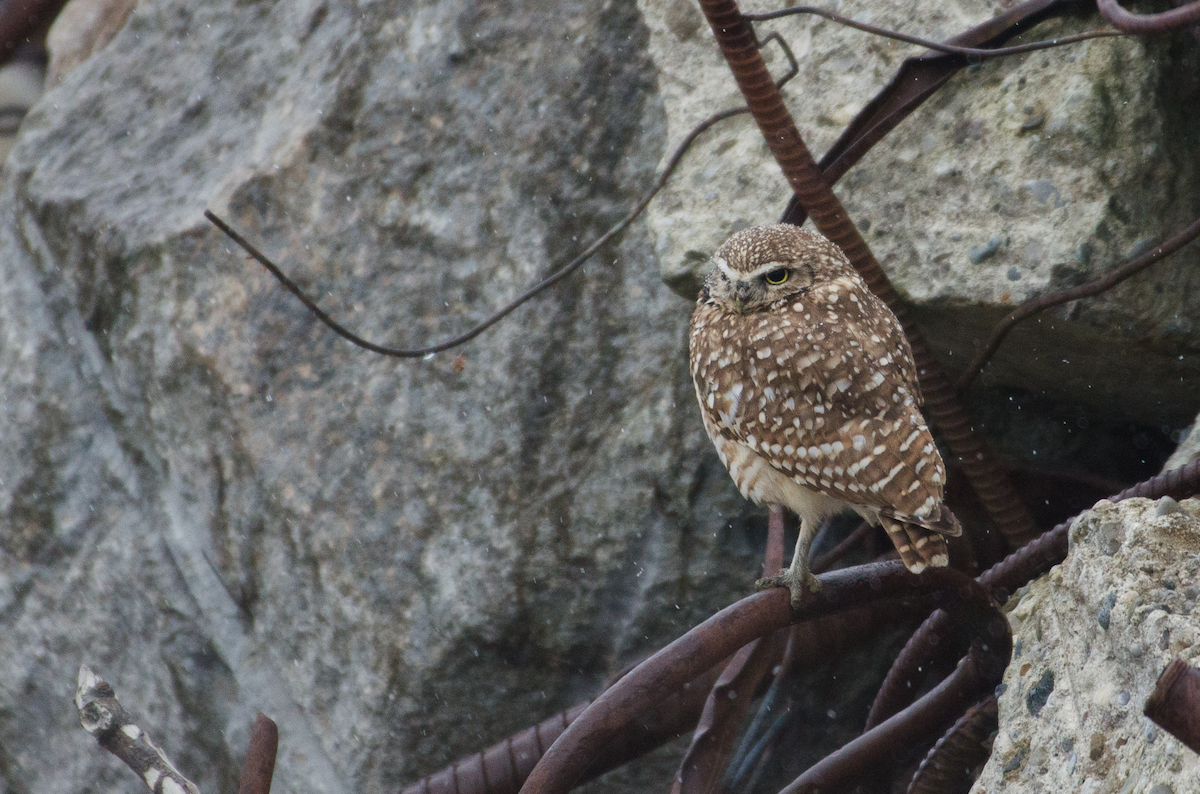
(741, 296)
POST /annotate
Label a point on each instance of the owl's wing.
(871, 338)
(888, 462)
(835, 407)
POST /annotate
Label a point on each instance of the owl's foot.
(794, 580)
(797, 576)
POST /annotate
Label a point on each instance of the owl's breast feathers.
(822, 386)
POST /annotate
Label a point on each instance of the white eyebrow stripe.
(729, 272)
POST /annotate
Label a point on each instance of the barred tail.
(918, 546)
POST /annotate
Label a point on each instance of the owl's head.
(759, 266)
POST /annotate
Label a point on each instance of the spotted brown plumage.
(808, 390)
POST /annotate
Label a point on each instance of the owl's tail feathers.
(919, 547)
(946, 523)
(939, 519)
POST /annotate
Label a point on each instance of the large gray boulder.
(220, 506)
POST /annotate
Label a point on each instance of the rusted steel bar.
(260, 757)
(503, 767)
(1175, 703)
(1145, 24)
(948, 766)
(1090, 289)
(814, 642)
(1015, 570)
(730, 629)
(702, 770)
(830, 636)
(979, 54)
(1195, 30)
(1177, 483)
(702, 767)
(739, 46)
(934, 639)
(915, 81)
(920, 721)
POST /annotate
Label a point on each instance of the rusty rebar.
(1090, 289)
(730, 629)
(1175, 703)
(702, 769)
(976, 54)
(503, 767)
(703, 765)
(1177, 483)
(1146, 24)
(813, 642)
(948, 768)
(260, 757)
(920, 721)
(738, 44)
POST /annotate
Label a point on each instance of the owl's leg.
(797, 576)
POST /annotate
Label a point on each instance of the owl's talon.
(794, 581)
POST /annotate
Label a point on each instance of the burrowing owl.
(808, 390)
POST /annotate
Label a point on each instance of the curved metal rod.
(1175, 703)
(260, 757)
(1183, 17)
(731, 628)
(1090, 289)
(503, 767)
(974, 53)
(925, 718)
(530, 293)
(947, 767)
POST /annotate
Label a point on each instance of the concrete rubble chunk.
(1087, 732)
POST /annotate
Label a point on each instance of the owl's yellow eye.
(777, 277)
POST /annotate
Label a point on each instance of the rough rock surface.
(1022, 176)
(220, 506)
(1090, 640)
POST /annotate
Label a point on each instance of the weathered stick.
(104, 717)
